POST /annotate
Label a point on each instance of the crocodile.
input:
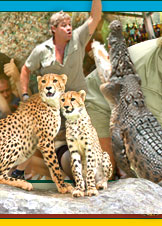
(121, 62)
(136, 133)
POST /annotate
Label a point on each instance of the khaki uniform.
(96, 105)
(43, 59)
(147, 59)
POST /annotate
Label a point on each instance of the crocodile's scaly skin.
(119, 55)
(136, 134)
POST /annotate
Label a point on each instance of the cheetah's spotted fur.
(34, 125)
(91, 167)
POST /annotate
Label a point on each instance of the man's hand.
(11, 70)
(95, 16)
(25, 96)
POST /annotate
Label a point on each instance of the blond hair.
(56, 18)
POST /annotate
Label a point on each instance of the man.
(5, 97)
(64, 52)
(9, 81)
(9, 101)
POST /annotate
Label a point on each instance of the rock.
(125, 196)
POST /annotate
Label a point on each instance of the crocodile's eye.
(140, 94)
(128, 98)
(55, 80)
(43, 81)
(72, 99)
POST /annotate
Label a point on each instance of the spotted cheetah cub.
(91, 167)
(34, 125)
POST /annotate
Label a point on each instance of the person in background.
(127, 28)
(9, 86)
(8, 101)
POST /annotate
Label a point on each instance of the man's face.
(63, 30)
(5, 90)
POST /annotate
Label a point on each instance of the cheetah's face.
(51, 86)
(72, 103)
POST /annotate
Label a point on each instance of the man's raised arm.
(24, 81)
(95, 15)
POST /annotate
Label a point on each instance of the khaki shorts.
(100, 120)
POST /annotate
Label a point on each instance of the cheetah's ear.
(64, 78)
(82, 94)
(38, 78)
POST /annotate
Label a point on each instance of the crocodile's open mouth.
(50, 94)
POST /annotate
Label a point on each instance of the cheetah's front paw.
(101, 185)
(77, 193)
(62, 190)
(92, 192)
(160, 183)
(65, 188)
(69, 187)
(26, 186)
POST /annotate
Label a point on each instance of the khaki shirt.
(147, 59)
(43, 59)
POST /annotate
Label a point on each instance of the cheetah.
(91, 167)
(34, 125)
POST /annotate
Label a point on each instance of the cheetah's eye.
(62, 99)
(72, 99)
(43, 81)
(55, 80)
